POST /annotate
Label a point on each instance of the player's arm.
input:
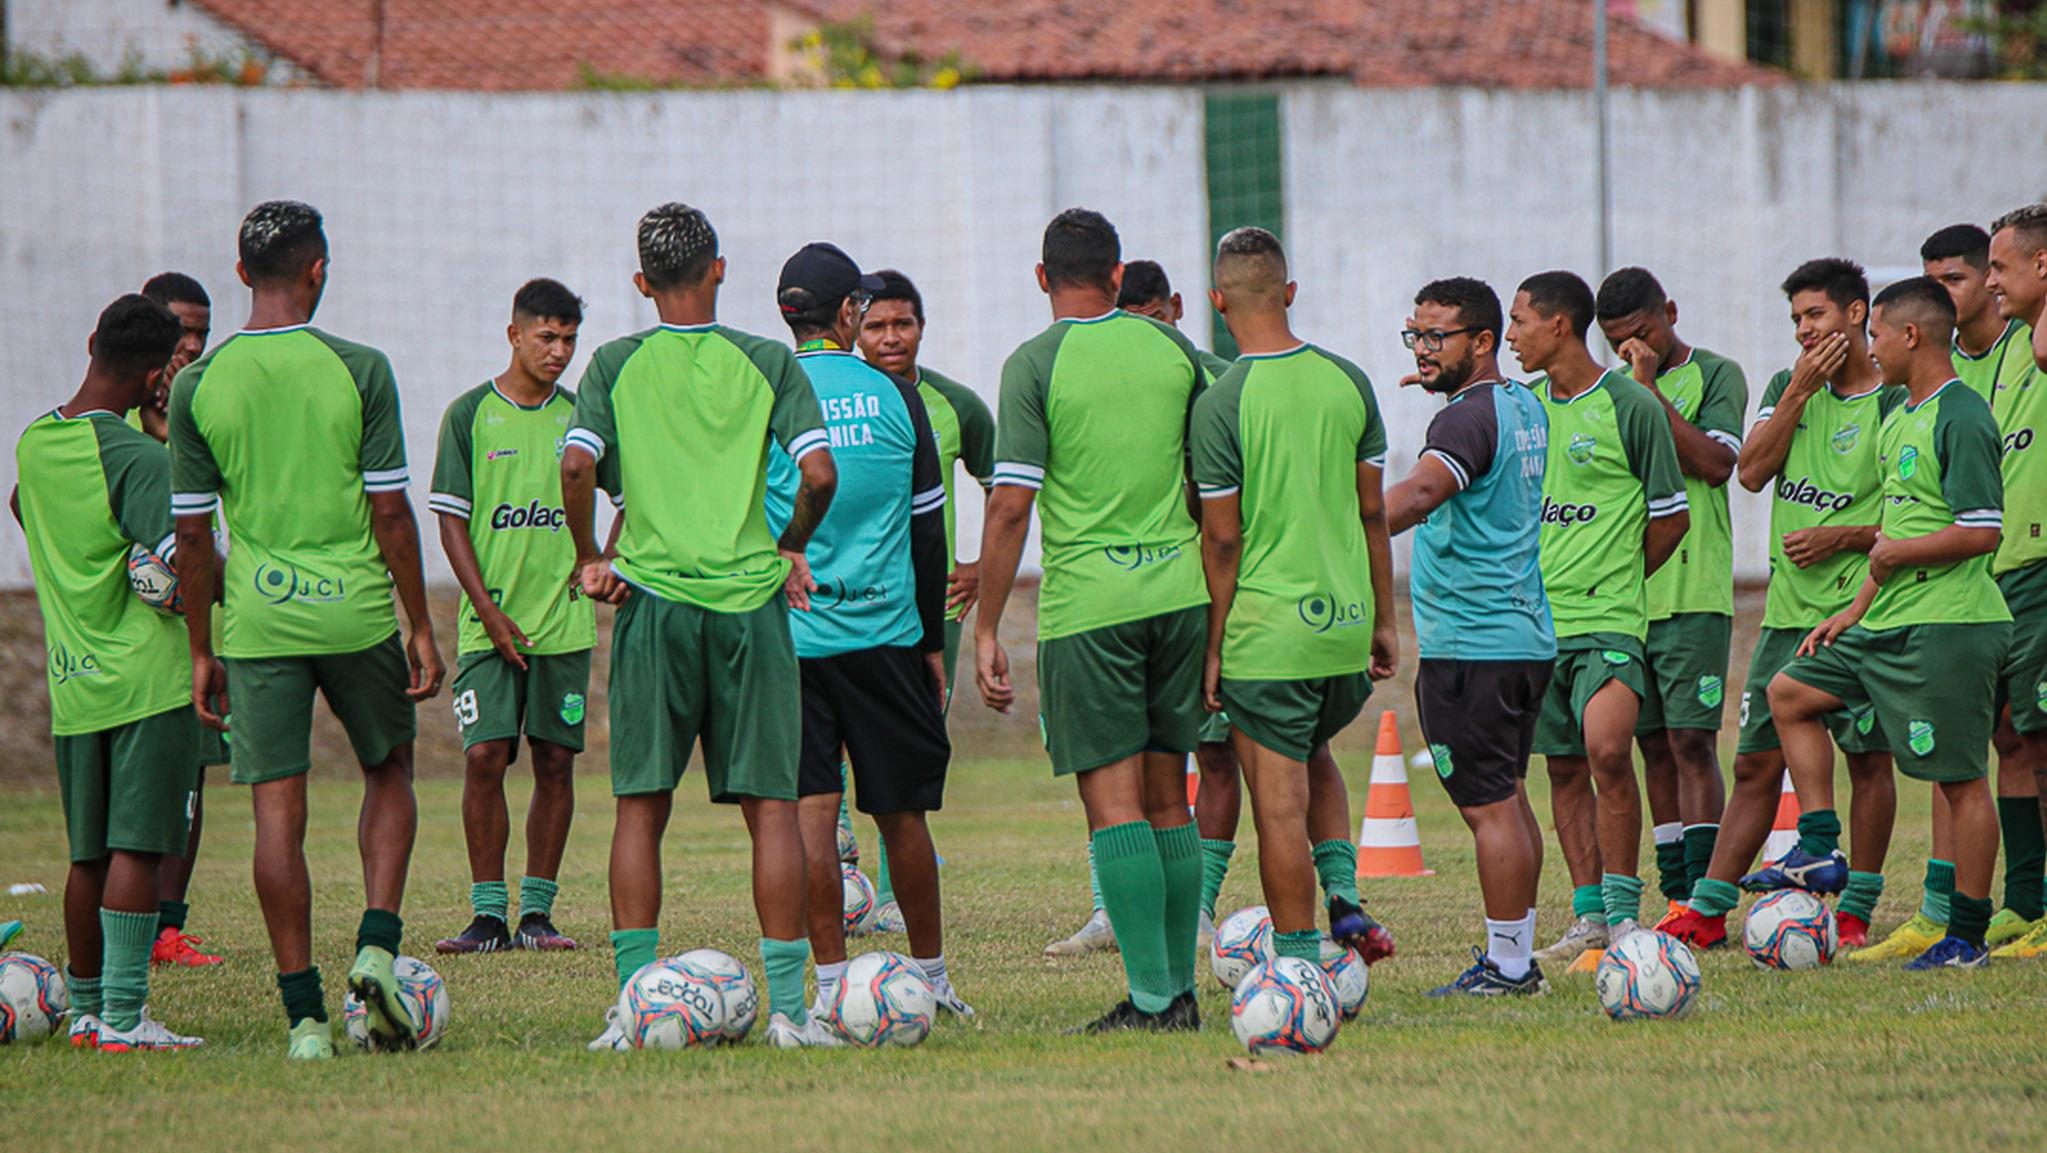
(195, 494)
(1462, 440)
(1698, 454)
(1652, 457)
(1021, 441)
(450, 501)
(386, 482)
(1830, 630)
(1969, 447)
(1222, 550)
(796, 422)
(1379, 547)
(1769, 442)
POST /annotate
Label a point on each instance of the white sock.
(934, 971)
(1669, 834)
(1508, 946)
(828, 978)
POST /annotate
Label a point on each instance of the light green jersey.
(687, 416)
(1708, 390)
(2006, 376)
(1830, 477)
(1612, 466)
(1940, 467)
(2008, 358)
(1285, 433)
(966, 432)
(286, 431)
(498, 468)
(1094, 414)
(91, 489)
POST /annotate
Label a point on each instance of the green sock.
(1588, 901)
(1215, 866)
(2025, 856)
(85, 993)
(884, 889)
(1336, 866)
(491, 898)
(1180, 865)
(1940, 885)
(171, 915)
(1622, 897)
(785, 962)
(380, 929)
(1971, 917)
(1306, 944)
(1670, 861)
(631, 949)
(304, 1000)
(124, 976)
(1699, 840)
(1712, 898)
(1819, 832)
(536, 897)
(1860, 897)
(1094, 876)
(1134, 894)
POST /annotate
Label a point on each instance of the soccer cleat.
(1587, 961)
(2031, 946)
(1124, 1017)
(2005, 927)
(1908, 940)
(85, 1031)
(1799, 869)
(812, 1034)
(376, 986)
(613, 1039)
(1695, 928)
(1182, 1016)
(1351, 925)
(175, 947)
(1096, 936)
(1946, 953)
(1852, 930)
(311, 1041)
(1677, 909)
(1204, 930)
(8, 931)
(536, 932)
(148, 1036)
(1484, 979)
(1584, 933)
(889, 919)
(484, 935)
(949, 1000)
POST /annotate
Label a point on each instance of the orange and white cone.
(1389, 843)
(1784, 831)
(1193, 781)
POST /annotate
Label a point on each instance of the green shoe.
(8, 931)
(311, 1041)
(2005, 928)
(376, 986)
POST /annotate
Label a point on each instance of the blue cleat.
(1351, 925)
(1798, 869)
(1950, 953)
(1484, 979)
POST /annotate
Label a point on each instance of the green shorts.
(272, 698)
(1855, 730)
(1215, 727)
(2024, 683)
(680, 673)
(1114, 692)
(1932, 686)
(213, 747)
(130, 787)
(952, 659)
(1687, 683)
(496, 700)
(1294, 718)
(1584, 666)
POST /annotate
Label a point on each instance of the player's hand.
(1810, 546)
(1411, 379)
(600, 584)
(1883, 558)
(1828, 632)
(991, 675)
(1212, 681)
(800, 584)
(209, 692)
(934, 663)
(1818, 364)
(1641, 360)
(427, 669)
(962, 588)
(1385, 650)
(505, 635)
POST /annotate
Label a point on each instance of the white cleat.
(1583, 935)
(85, 1030)
(613, 1039)
(1618, 933)
(949, 1000)
(1094, 937)
(148, 1035)
(812, 1034)
(889, 919)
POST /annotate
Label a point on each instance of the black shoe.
(537, 932)
(1125, 1016)
(1182, 1016)
(484, 935)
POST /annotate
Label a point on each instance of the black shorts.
(880, 706)
(1479, 719)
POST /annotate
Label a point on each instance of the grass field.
(1851, 1057)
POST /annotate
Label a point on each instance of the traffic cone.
(1389, 844)
(1193, 781)
(1784, 831)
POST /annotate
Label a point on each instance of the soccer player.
(1483, 623)
(1613, 511)
(293, 437)
(126, 739)
(1121, 619)
(1288, 454)
(679, 420)
(523, 662)
(1926, 637)
(1691, 599)
(187, 301)
(1814, 446)
(871, 648)
(891, 336)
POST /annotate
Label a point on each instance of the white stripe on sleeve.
(588, 441)
(385, 479)
(1450, 462)
(1019, 475)
(449, 503)
(808, 442)
(194, 503)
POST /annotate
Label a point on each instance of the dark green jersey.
(2006, 376)
(91, 489)
(1215, 365)
(966, 432)
(1612, 467)
(1094, 414)
(1709, 391)
(498, 469)
(1285, 432)
(1830, 478)
(1940, 467)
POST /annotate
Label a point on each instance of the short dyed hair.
(677, 246)
(280, 239)
(2028, 225)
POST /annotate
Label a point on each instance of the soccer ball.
(724, 972)
(422, 993)
(858, 893)
(1647, 975)
(669, 1006)
(884, 999)
(849, 846)
(1790, 929)
(1240, 944)
(1285, 1005)
(1347, 975)
(33, 999)
(154, 580)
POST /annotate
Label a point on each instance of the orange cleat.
(1853, 930)
(174, 947)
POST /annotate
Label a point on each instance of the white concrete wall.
(159, 35)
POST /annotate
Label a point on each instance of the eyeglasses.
(1432, 339)
(862, 302)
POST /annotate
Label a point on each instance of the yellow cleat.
(2005, 928)
(1587, 961)
(2030, 947)
(1905, 942)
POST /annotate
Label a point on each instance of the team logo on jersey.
(1581, 448)
(1919, 735)
(831, 596)
(533, 515)
(283, 584)
(572, 708)
(561, 445)
(1908, 461)
(1846, 438)
(1137, 556)
(1322, 612)
(1711, 691)
(500, 453)
(1565, 513)
(1440, 753)
(65, 664)
(1804, 491)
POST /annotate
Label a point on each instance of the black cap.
(821, 274)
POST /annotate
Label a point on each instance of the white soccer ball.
(1241, 943)
(849, 845)
(724, 972)
(1348, 975)
(154, 580)
(666, 1005)
(860, 902)
(1791, 929)
(1647, 976)
(422, 994)
(33, 999)
(884, 999)
(1285, 1005)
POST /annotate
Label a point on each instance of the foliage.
(845, 54)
